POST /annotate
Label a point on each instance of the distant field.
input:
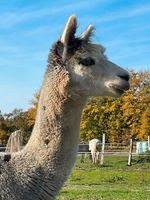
(112, 181)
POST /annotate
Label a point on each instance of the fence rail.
(114, 149)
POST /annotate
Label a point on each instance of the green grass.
(112, 181)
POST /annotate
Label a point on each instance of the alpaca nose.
(125, 76)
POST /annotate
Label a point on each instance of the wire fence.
(116, 149)
(103, 149)
(132, 149)
(110, 148)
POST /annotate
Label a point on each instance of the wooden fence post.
(130, 153)
(148, 143)
(103, 148)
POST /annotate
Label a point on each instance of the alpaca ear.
(87, 34)
(68, 34)
(69, 31)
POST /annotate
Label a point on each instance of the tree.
(123, 118)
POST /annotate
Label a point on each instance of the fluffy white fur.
(39, 170)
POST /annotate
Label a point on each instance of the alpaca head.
(91, 73)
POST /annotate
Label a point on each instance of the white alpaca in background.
(94, 147)
(15, 142)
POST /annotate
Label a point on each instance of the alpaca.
(77, 69)
(94, 147)
(15, 142)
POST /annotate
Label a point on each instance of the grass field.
(112, 181)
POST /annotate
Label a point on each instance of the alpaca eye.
(86, 61)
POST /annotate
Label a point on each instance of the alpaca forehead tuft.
(93, 49)
(97, 48)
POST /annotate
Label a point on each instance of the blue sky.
(28, 28)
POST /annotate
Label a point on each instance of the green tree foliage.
(18, 120)
(10, 122)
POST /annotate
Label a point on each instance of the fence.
(116, 149)
(119, 149)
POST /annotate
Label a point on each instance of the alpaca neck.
(53, 144)
(42, 167)
(58, 120)
(57, 126)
